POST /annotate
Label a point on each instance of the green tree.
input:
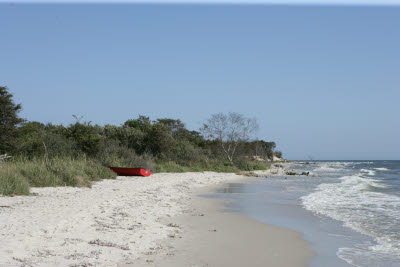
(142, 123)
(159, 141)
(175, 126)
(9, 120)
(86, 137)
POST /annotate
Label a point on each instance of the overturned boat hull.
(130, 171)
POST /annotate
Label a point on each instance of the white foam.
(329, 167)
(382, 169)
(369, 172)
(355, 202)
(325, 169)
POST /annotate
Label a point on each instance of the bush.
(113, 154)
(278, 154)
(35, 138)
(86, 136)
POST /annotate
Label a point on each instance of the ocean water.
(365, 197)
(348, 210)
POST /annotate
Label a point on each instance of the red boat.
(130, 171)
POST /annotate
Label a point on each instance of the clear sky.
(323, 81)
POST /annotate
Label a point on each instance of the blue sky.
(323, 81)
(246, 2)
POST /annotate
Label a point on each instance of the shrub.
(86, 136)
(113, 154)
(278, 154)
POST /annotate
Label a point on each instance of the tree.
(159, 140)
(229, 130)
(278, 154)
(175, 126)
(9, 120)
(86, 137)
(142, 123)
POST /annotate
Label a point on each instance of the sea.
(348, 210)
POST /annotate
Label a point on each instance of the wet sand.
(206, 235)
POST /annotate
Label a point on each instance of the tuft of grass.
(11, 182)
(17, 176)
(253, 165)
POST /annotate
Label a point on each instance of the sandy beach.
(151, 221)
(209, 236)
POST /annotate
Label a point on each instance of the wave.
(331, 167)
(369, 172)
(356, 202)
(325, 169)
(382, 169)
(340, 166)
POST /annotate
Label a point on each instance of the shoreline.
(113, 222)
(207, 235)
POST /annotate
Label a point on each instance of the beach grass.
(211, 165)
(16, 177)
(11, 181)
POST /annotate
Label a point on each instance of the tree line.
(224, 139)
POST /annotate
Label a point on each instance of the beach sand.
(132, 220)
(209, 236)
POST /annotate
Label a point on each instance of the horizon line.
(218, 2)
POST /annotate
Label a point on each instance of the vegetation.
(17, 176)
(229, 130)
(76, 154)
(9, 119)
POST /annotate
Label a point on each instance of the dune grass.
(12, 182)
(211, 165)
(17, 177)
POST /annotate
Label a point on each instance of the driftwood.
(4, 157)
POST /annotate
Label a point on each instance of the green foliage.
(278, 154)
(35, 138)
(248, 165)
(86, 136)
(259, 148)
(174, 126)
(11, 181)
(142, 123)
(9, 120)
(75, 155)
(17, 176)
(159, 140)
(114, 154)
(197, 166)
